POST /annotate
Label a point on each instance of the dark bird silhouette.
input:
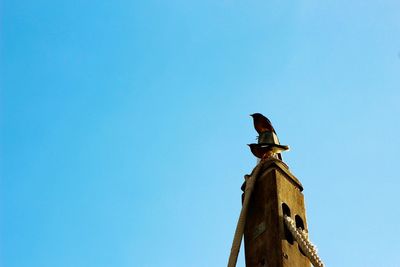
(263, 127)
(262, 123)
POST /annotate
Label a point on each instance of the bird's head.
(256, 115)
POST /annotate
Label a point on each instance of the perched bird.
(262, 123)
(268, 143)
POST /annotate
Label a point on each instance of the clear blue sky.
(124, 127)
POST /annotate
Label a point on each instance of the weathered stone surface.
(267, 242)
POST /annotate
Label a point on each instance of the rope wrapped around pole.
(237, 240)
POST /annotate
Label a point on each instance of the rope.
(237, 240)
(305, 244)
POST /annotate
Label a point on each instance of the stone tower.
(268, 242)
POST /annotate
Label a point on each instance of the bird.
(262, 124)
